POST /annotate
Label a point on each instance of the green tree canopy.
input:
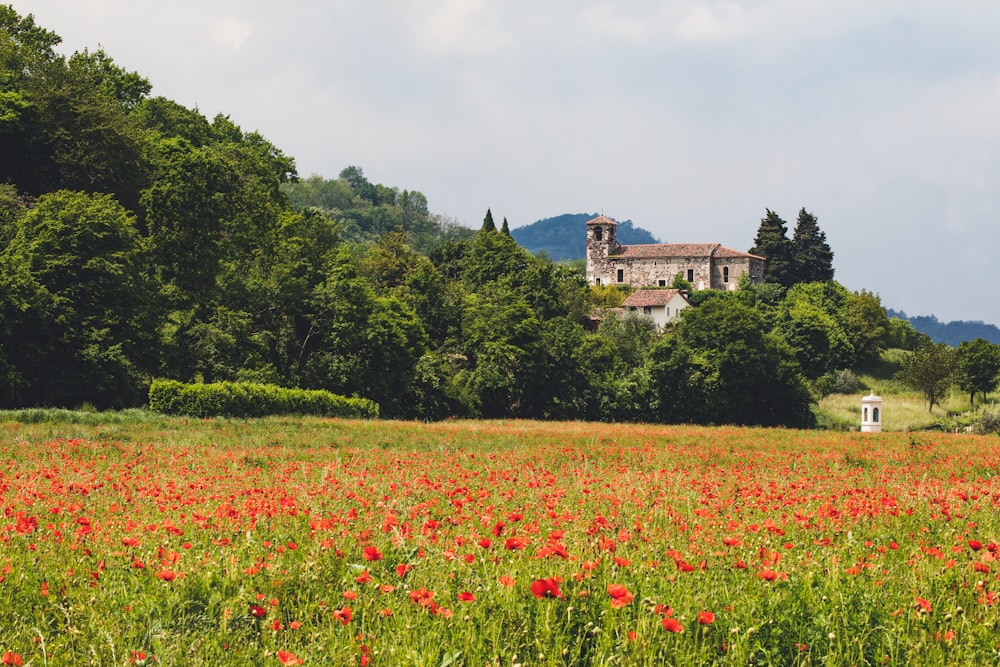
(772, 243)
(82, 329)
(812, 255)
(930, 369)
(977, 367)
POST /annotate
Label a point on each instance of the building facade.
(663, 305)
(704, 265)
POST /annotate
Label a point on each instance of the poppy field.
(331, 542)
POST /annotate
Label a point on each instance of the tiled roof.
(723, 251)
(654, 250)
(602, 220)
(651, 297)
(650, 250)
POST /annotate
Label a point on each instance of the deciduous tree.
(930, 369)
(977, 367)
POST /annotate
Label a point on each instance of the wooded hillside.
(141, 240)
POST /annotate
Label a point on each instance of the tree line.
(141, 240)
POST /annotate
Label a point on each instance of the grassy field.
(904, 409)
(132, 539)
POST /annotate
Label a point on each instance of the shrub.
(988, 421)
(244, 399)
(838, 382)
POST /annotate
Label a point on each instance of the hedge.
(242, 399)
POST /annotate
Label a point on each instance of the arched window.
(865, 416)
(875, 415)
(725, 274)
(598, 233)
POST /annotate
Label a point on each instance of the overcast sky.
(689, 117)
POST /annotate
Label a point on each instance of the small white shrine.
(871, 414)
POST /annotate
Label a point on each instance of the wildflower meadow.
(329, 542)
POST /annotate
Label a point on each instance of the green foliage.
(844, 381)
(988, 420)
(903, 335)
(812, 255)
(977, 367)
(930, 369)
(772, 243)
(80, 324)
(751, 377)
(233, 399)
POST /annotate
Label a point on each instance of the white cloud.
(230, 32)
(461, 28)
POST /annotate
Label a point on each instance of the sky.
(691, 118)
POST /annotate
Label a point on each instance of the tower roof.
(602, 220)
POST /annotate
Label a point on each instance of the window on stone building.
(646, 310)
(621, 275)
(598, 233)
(725, 274)
(597, 281)
(662, 283)
(690, 277)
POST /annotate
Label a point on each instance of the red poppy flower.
(288, 658)
(343, 615)
(371, 553)
(620, 595)
(402, 569)
(672, 625)
(515, 543)
(363, 578)
(10, 658)
(706, 618)
(506, 581)
(546, 588)
(257, 611)
(922, 604)
(466, 596)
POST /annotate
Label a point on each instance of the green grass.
(903, 408)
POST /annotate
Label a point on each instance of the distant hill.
(564, 236)
(951, 333)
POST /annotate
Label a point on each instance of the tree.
(930, 369)
(82, 331)
(488, 225)
(867, 324)
(812, 255)
(772, 243)
(978, 367)
(26, 50)
(748, 376)
(505, 228)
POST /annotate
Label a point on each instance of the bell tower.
(601, 242)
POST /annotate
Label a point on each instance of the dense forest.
(141, 240)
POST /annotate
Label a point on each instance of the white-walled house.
(663, 305)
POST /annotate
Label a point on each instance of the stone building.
(704, 265)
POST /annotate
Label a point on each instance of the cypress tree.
(813, 257)
(772, 243)
(505, 228)
(488, 225)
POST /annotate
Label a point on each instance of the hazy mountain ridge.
(951, 333)
(563, 237)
